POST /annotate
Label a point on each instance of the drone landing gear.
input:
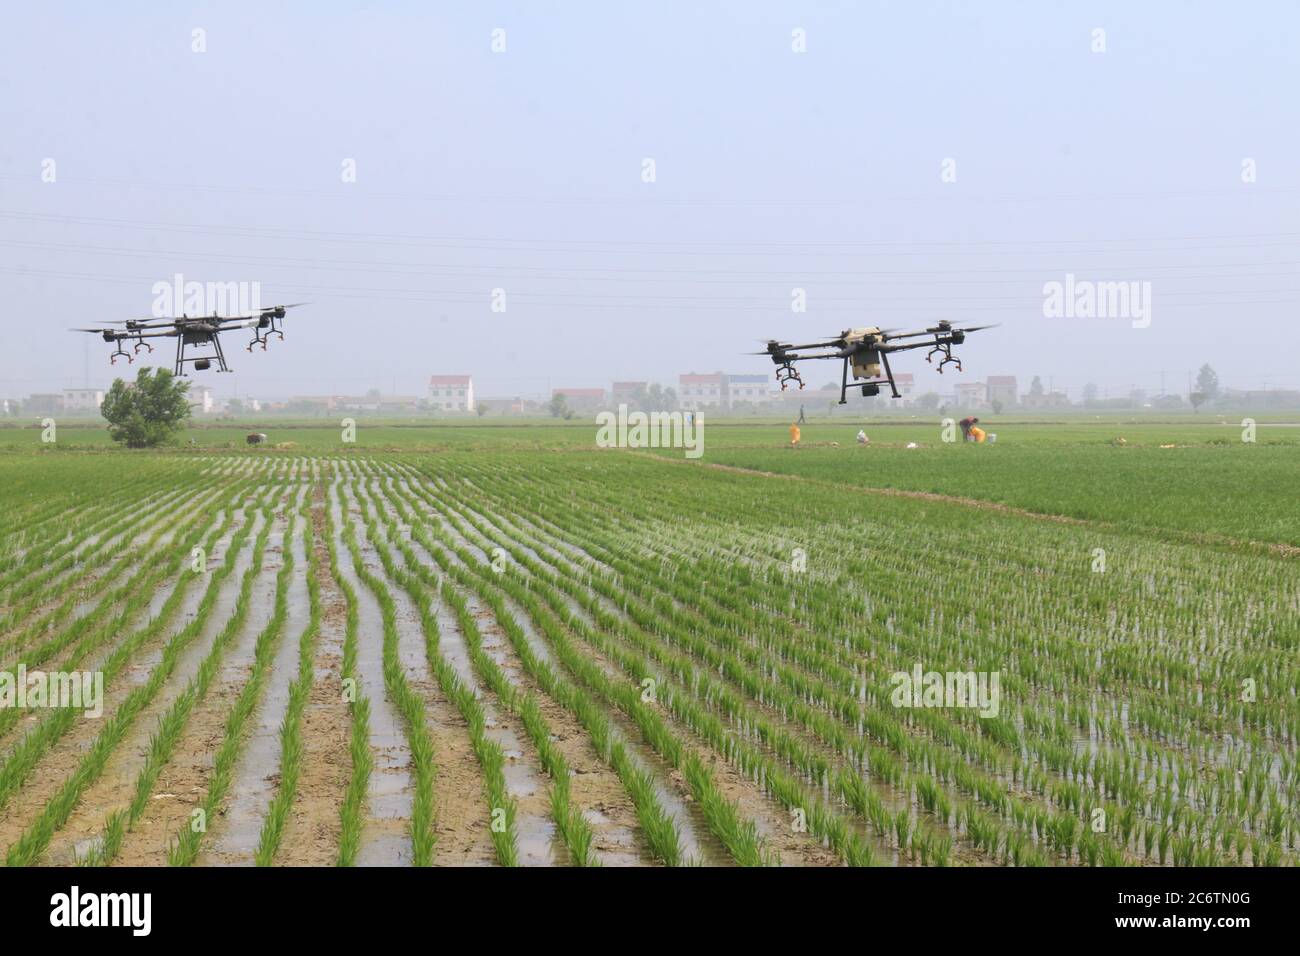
(201, 363)
(944, 349)
(869, 389)
(112, 359)
(786, 374)
(260, 339)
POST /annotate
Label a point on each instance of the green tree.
(1207, 382)
(656, 398)
(1036, 387)
(559, 406)
(148, 413)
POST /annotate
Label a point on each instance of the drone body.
(865, 351)
(193, 332)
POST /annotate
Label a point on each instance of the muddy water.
(385, 839)
(253, 787)
(115, 786)
(536, 835)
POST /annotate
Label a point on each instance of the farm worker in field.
(971, 431)
(802, 420)
(862, 437)
(794, 433)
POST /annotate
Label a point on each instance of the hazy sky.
(774, 170)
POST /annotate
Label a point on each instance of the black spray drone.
(192, 331)
(866, 351)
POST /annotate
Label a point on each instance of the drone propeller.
(277, 311)
(941, 328)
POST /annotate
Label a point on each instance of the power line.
(352, 193)
(606, 246)
(628, 274)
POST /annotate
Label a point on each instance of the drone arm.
(240, 323)
(833, 343)
(788, 357)
(942, 338)
(113, 335)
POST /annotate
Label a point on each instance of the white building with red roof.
(451, 393)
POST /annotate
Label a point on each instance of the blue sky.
(775, 170)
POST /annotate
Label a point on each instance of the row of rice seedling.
(351, 818)
(29, 847)
(291, 742)
(409, 703)
(736, 833)
(188, 841)
(422, 585)
(38, 501)
(657, 825)
(139, 560)
(23, 592)
(503, 811)
(172, 723)
(24, 756)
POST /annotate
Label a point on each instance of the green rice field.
(496, 644)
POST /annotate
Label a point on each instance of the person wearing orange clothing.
(971, 431)
(794, 433)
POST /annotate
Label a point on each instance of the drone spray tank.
(865, 360)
